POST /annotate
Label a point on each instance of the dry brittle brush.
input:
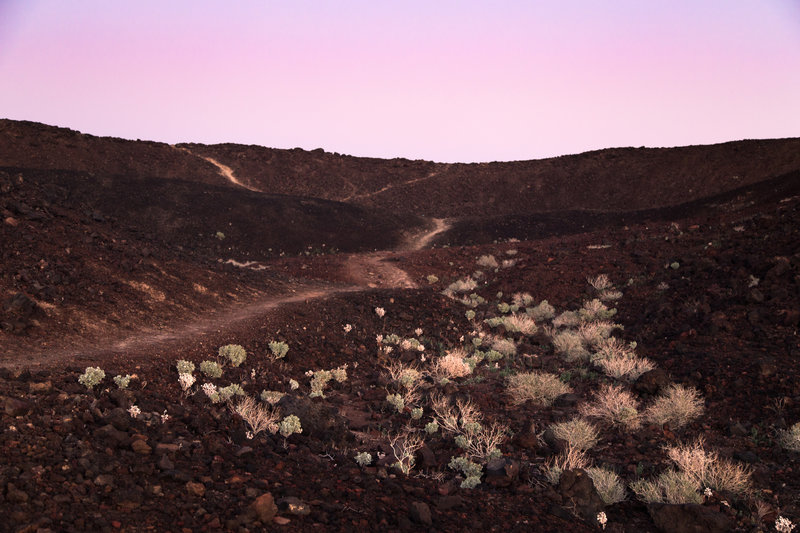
(578, 433)
(452, 365)
(615, 405)
(608, 484)
(708, 469)
(539, 387)
(569, 459)
(451, 418)
(676, 407)
(404, 447)
(258, 416)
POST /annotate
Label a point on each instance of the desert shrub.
(226, 393)
(596, 332)
(123, 381)
(521, 323)
(578, 433)
(600, 282)
(540, 387)
(211, 369)
(319, 380)
(487, 261)
(470, 314)
(671, 486)
(627, 368)
(595, 310)
(790, 438)
(570, 344)
(452, 365)
(461, 285)
(271, 396)
(339, 374)
(493, 356)
(290, 425)
(396, 401)
(608, 484)
(453, 417)
(363, 458)
(506, 347)
(543, 311)
(278, 349)
(568, 319)
(416, 413)
(569, 459)
(258, 417)
(431, 427)
(234, 353)
(432, 279)
(707, 469)
(186, 381)
(676, 407)
(615, 405)
(472, 471)
(522, 299)
(91, 377)
(404, 447)
(184, 366)
(481, 442)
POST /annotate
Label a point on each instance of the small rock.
(555, 444)
(45, 386)
(579, 494)
(104, 480)
(449, 502)
(566, 400)
(165, 464)
(420, 513)
(11, 221)
(281, 520)
(746, 456)
(165, 447)
(264, 508)
(651, 382)
(195, 489)
(141, 447)
(16, 407)
(14, 495)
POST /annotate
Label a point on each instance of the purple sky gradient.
(446, 80)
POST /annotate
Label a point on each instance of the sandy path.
(224, 170)
(364, 271)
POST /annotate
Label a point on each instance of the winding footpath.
(364, 271)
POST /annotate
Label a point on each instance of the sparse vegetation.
(91, 377)
(539, 387)
(234, 353)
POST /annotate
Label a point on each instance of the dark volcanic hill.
(616, 179)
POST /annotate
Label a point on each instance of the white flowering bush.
(91, 377)
(186, 380)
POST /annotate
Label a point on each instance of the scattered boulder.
(579, 495)
(420, 513)
(263, 508)
(652, 382)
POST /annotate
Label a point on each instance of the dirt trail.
(224, 170)
(363, 271)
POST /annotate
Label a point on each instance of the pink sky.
(445, 80)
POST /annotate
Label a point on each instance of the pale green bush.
(279, 349)
(235, 353)
(226, 393)
(184, 366)
(363, 458)
(290, 425)
(543, 311)
(211, 369)
(271, 396)
(123, 381)
(91, 377)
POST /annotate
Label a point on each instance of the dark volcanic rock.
(689, 518)
(579, 495)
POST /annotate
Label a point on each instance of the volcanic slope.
(707, 292)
